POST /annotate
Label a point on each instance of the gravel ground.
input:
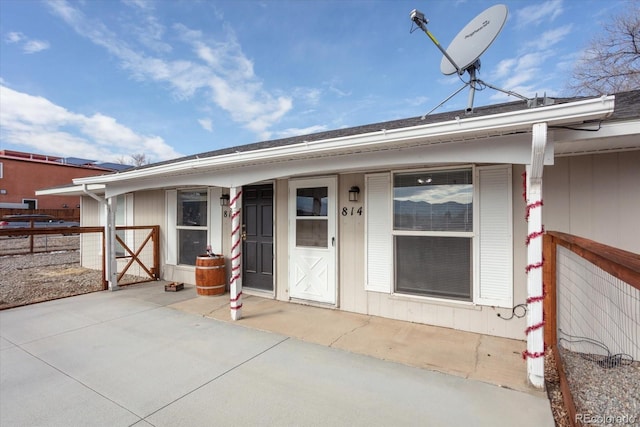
(605, 393)
(32, 278)
(552, 385)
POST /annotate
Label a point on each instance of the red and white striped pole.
(534, 354)
(235, 284)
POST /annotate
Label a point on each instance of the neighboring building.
(21, 174)
(420, 220)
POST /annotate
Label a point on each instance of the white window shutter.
(172, 232)
(378, 240)
(495, 236)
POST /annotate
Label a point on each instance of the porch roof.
(492, 134)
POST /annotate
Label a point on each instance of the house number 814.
(352, 212)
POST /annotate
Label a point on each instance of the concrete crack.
(476, 355)
(351, 331)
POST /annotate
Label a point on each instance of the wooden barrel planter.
(210, 275)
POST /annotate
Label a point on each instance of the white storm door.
(312, 239)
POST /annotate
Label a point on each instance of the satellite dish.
(474, 39)
(463, 53)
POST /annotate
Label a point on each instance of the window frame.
(177, 228)
(473, 262)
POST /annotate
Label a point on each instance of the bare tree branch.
(139, 159)
(611, 61)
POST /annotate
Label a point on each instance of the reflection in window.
(192, 208)
(433, 201)
(311, 201)
(311, 233)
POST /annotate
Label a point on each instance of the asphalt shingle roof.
(627, 105)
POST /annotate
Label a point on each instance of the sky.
(107, 79)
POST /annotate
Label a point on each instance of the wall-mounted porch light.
(353, 193)
(224, 200)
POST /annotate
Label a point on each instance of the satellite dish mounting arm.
(418, 18)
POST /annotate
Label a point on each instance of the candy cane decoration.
(235, 284)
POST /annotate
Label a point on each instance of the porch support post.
(235, 284)
(535, 322)
(110, 244)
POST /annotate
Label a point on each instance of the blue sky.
(104, 79)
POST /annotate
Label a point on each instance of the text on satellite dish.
(484, 24)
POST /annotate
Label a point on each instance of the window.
(433, 233)
(441, 234)
(311, 217)
(1, 176)
(31, 203)
(191, 225)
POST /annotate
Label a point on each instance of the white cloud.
(539, 12)
(309, 96)
(417, 101)
(28, 45)
(146, 27)
(217, 67)
(549, 38)
(435, 194)
(286, 133)
(33, 46)
(505, 67)
(44, 127)
(206, 124)
(14, 37)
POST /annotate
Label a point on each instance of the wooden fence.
(69, 214)
(139, 246)
(622, 265)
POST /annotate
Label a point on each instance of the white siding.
(596, 197)
(494, 237)
(378, 240)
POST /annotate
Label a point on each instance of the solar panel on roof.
(76, 161)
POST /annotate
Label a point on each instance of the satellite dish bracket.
(418, 18)
(473, 84)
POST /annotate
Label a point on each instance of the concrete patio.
(143, 356)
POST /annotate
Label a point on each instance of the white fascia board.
(609, 137)
(461, 129)
(71, 190)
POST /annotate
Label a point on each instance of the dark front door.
(257, 226)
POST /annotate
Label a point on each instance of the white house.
(420, 220)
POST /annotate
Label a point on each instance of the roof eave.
(462, 128)
(71, 190)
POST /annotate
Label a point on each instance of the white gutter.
(453, 130)
(70, 190)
